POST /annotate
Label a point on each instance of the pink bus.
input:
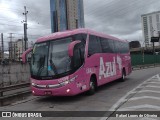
(72, 62)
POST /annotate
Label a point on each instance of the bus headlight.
(33, 84)
(68, 81)
(64, 83)
(73, 79)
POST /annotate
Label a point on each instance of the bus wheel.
(122, 79)
(92, 86)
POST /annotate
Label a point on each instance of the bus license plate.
(48, 93)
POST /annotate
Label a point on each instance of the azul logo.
(108, 69)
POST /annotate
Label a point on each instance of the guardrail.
(10, 93)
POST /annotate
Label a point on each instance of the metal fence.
(15, 73)
(144, 59)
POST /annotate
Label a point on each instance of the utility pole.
(22, 45)
(153, 47)
(2, 47)
(14, 52)
(25, 27)
(159, 37)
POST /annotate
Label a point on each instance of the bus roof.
(73, 32)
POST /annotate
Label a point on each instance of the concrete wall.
(14, 74)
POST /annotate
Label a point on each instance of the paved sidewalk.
(145, 97)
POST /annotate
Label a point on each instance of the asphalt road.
(103, 100)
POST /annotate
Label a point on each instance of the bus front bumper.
(68, 90)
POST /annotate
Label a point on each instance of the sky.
(119, 18)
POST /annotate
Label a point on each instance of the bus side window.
(111, 45)
(126, 48)
(117, 47)
(106, 48)
(121, 47)
(94, 45)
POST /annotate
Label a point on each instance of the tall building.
(150, 26)
(19, 49)
(16, 49)
(12, 50)
(66, 14)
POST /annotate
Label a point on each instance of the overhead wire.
(118, 11)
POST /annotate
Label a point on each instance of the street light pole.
(2, 47)
(25, 27)
(153, 48)
(159, 37)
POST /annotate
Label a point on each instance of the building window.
(158, 26)
(158, 22)
(145, 30)
(157, 17)
(151, 27)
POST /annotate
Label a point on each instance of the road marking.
(154, 82)
(139, 107)
(123, 100)
(152, 86)
(152, 91)
(145, 97)
(156, 76)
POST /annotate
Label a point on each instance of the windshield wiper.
(53, 65)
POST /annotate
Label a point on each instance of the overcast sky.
(120, 18)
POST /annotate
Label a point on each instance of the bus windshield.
(51, 58)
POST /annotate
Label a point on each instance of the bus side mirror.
(72, 46)
(24, 55)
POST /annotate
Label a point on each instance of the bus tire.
(122, 79)
(92, 86)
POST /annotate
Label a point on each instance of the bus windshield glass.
(59, 61)
(51, 58)
(39, 59)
